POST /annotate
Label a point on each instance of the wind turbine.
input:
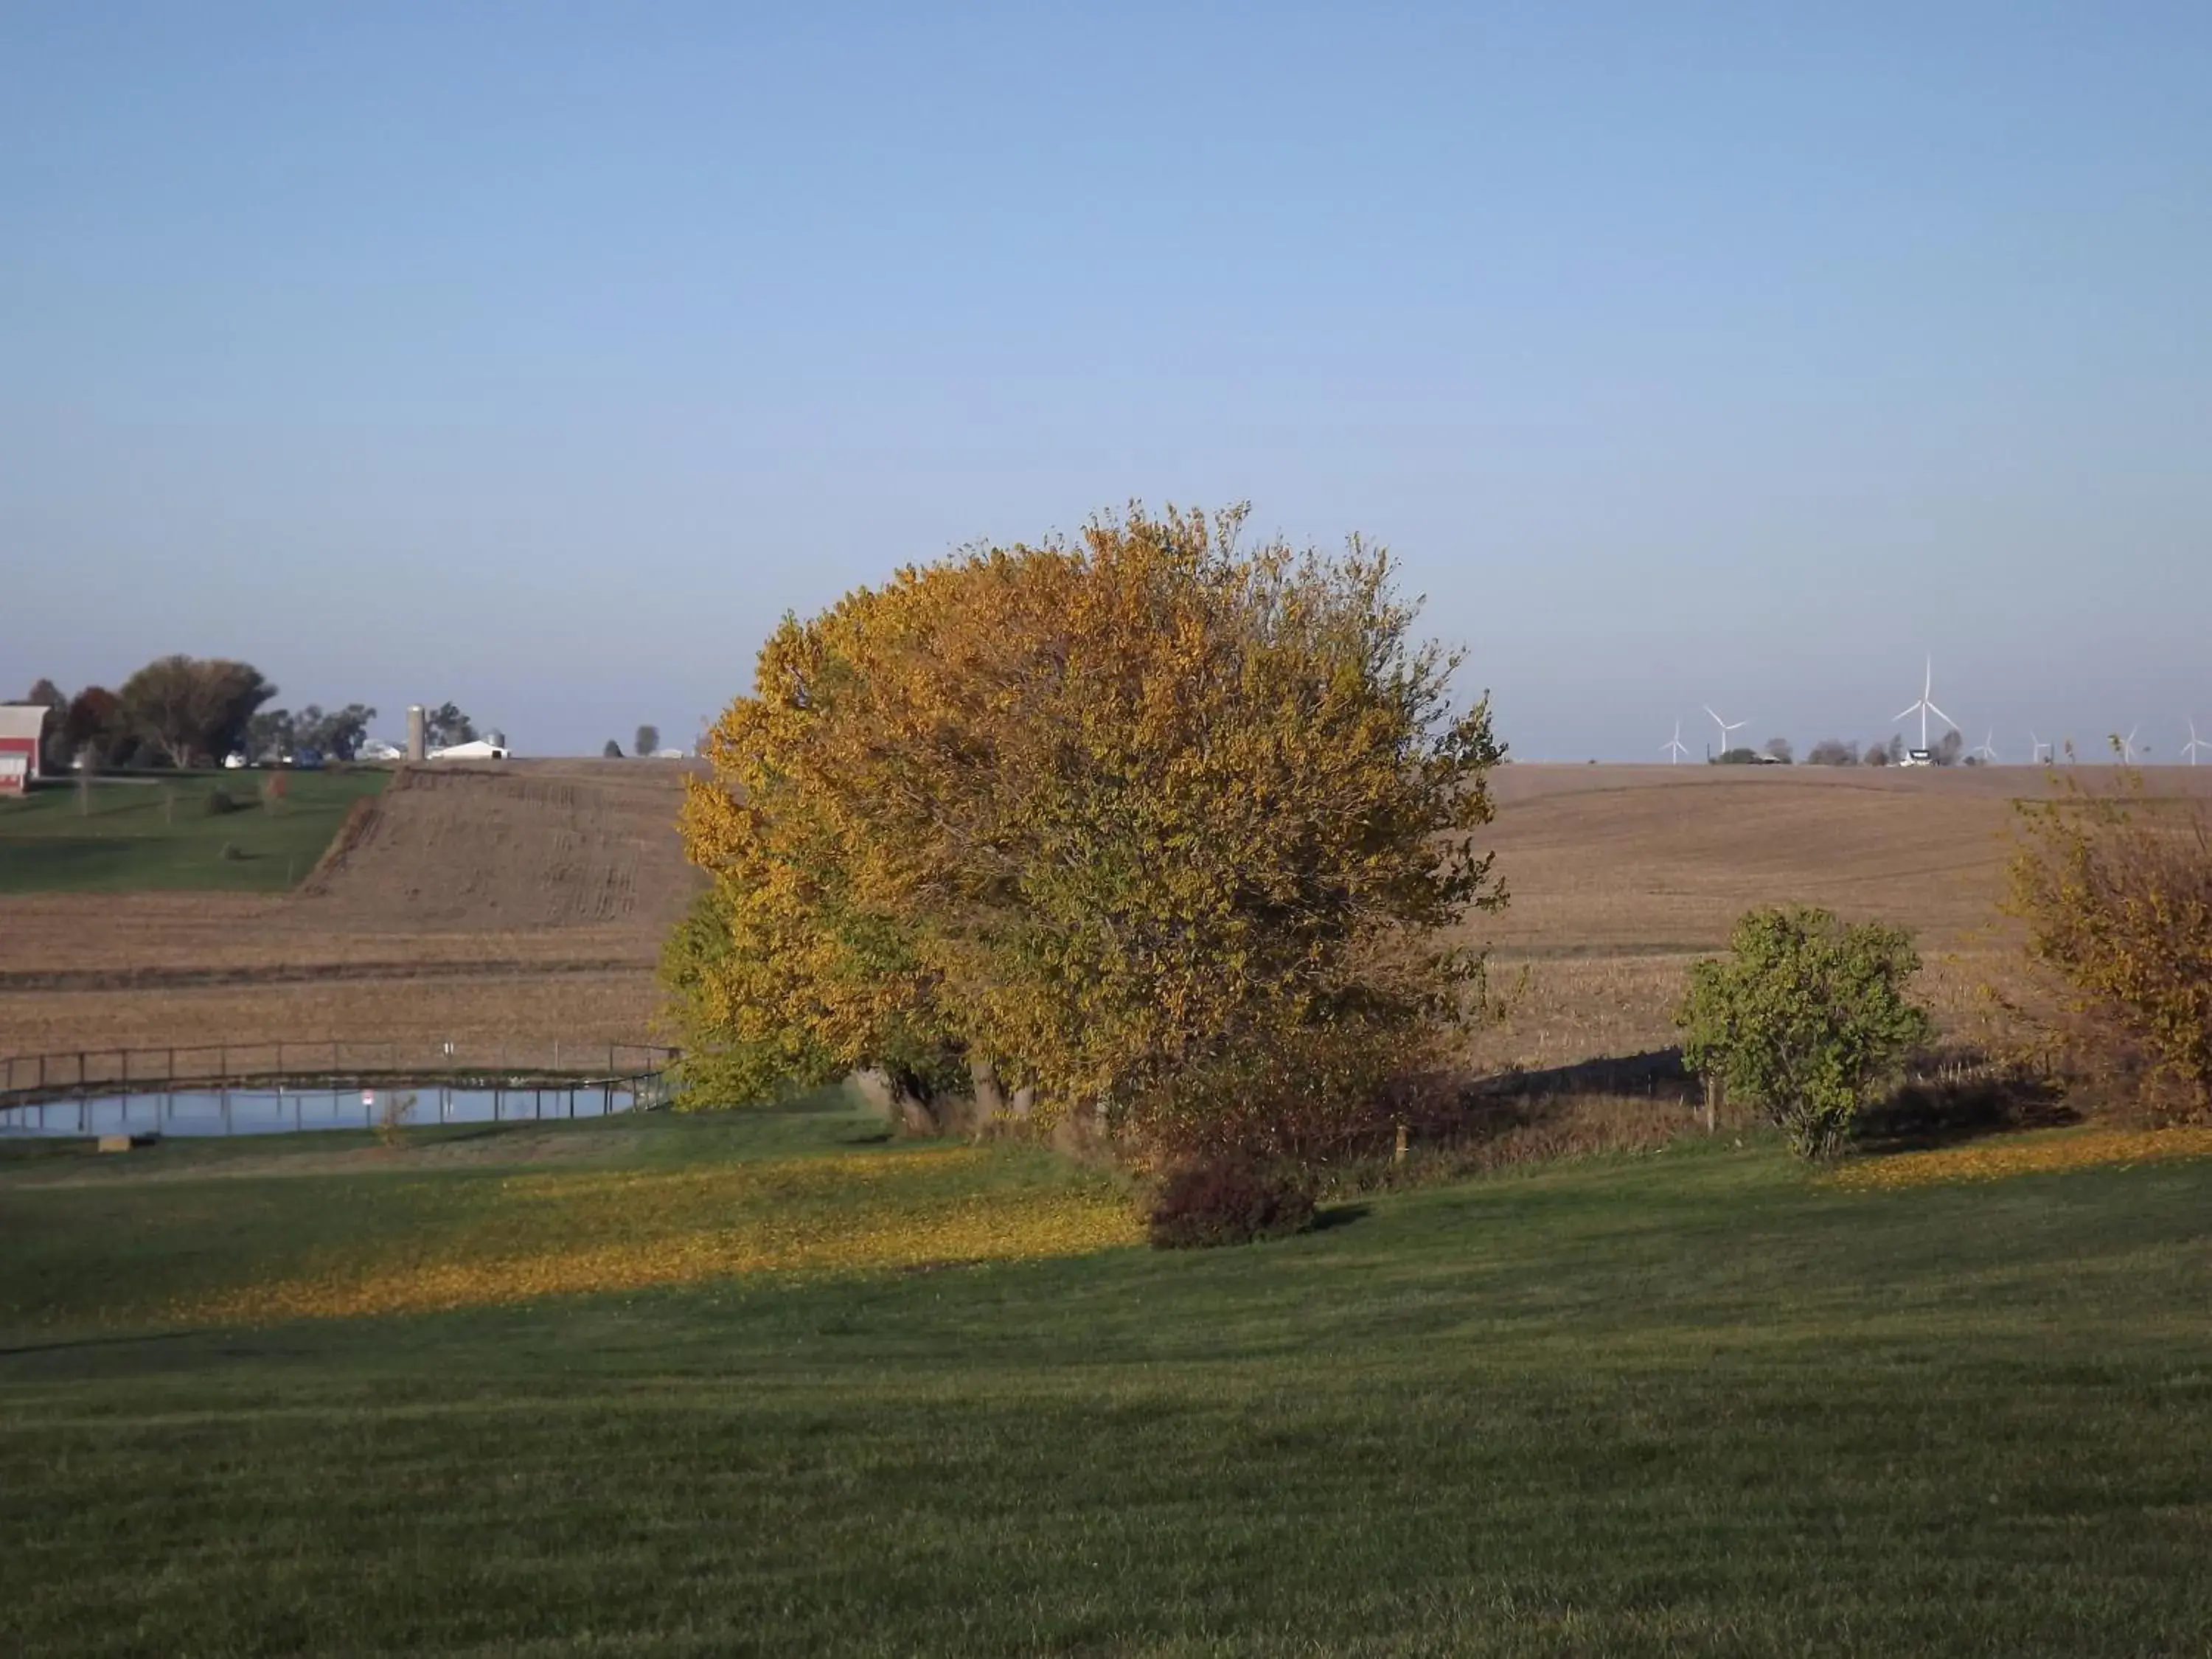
(1674, 748)
(1987, 750)
(2042, 748)
(1725, 726)
(2127, 744)
(1924, 707)
(2194, 744)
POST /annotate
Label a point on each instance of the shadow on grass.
(1330, 1217)
(1657, 1074)
(1960, 1103)
(1952, 1097)
(70, 1344)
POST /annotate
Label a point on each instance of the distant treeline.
(1951, 751)
(183, 711)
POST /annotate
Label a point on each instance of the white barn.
(478, 749)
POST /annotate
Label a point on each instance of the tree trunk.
(903, 1106)
(990, 1098)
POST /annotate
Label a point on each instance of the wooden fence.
(336, 1062)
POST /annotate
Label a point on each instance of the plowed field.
(1621, 876)
(521, 901)
(525, 903)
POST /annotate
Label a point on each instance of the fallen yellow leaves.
(560, 1234)
(1995, 1160)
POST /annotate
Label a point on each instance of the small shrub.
(1228, 1201)
(1805, 1018)
(216, 803)
(391, 1117)
(233, 853)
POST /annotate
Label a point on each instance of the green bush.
(1805, 1018)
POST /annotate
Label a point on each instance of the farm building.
(21, 725)
(476, 749)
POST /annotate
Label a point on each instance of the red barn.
(20, 726)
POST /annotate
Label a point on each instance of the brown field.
(525, 903)
(522, 902)
(1621, 876)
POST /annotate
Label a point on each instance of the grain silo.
(418, 734)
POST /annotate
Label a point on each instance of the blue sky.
(541, 356)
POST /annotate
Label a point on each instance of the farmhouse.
(21, 724)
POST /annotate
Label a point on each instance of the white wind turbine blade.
(1904, 713)
(1943, 717)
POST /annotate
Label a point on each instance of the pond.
(261, 1111)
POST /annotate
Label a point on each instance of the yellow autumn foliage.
(568, 1234)
(1997, 1159)
(2115, 889)
(1148, 826)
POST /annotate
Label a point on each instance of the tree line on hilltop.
(1950, 750)
(181, 711)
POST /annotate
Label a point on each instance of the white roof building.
(479, 749)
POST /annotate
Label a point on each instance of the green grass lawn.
(1697, 1402)
(157, 832)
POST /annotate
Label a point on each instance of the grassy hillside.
(155, 833)
(1699, 1403)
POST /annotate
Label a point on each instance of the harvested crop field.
(518, 901)
(526, 902)
(1621, 876)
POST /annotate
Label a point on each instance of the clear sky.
(540, 355)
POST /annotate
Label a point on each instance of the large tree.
(337, 735)
(445, 724)
(95, 726)
(193, 708)
(1152, 829)
(272, 735)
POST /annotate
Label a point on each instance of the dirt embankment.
(523, 898)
